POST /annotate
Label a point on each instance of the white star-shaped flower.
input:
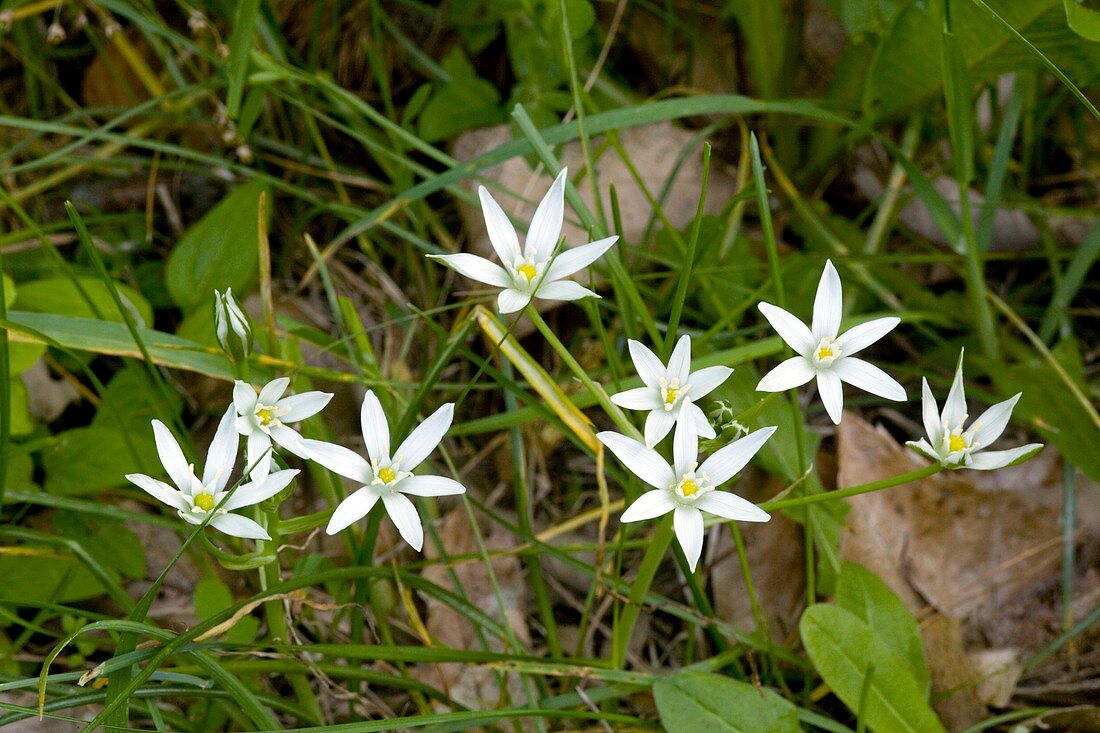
(669, 388)
(686, 488)
(824, 354)
(952, 445)
(194, 499)
(387, 477)
(263, 419)
(532, 272)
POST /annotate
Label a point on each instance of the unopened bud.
(233, 328)
(196, 23)
(55, 34)
(7, 19)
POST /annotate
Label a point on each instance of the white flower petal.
(730, 506)
(921, 446)
(679, 363)
(245, 425)
(338, 459)
(828, 304)
(954, 410)
(258, 455)
(256, 491)
(238, 526)
(404, 516)
(375, 427)
(930, 413)
(159, 490)
(685, 443)
(994, 459)
(273, 390)
(244, 397)
(649, 505)
(705, 381)
(869, 378)
(431, 486)
(648, 366)
(352, 509)
(688, 523)
(658, 423)
(789, 328)
(563, 290)
(171, 457)
(545, 229)
(643, 462)
(302, 406)
(511, 300)
(577, 258)
(861, 336)
(502, 234)
(991, 423)
(793, 372)
(702, 424)
(288, 439)
(832, 394)
(476, 268)
(721, 466)
(639, 398)
(424, 439)
(222, 453)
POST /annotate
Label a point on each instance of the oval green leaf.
(701, 702)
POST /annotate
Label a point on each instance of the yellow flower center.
(824, 352)
(265, 414)
(670, 395)
(204, 501)
(956, 442)
(689, 487)
(387, 475)
(528, 271)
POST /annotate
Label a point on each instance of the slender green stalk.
(689, 259)
(886, 483)
(654, 554)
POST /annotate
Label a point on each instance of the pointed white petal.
(730, 506)
(256, 491)
(639, 398)
(337, 459)
(658, 423)
(679, 363)
(577, 258)
(304, 405)
(403, 514)
(861, 336)
(476, 268)
(685, 443)
(930, 413)
(563, 290)
(954, 410)
(643, 462)
(728, 460)
(223, 452)
(238, 526)
(545, 228)
(789, 328)
(352, 509)
(511, 300)
(502, 234)
(921, 446)
(159, 490)
(793, 372)
(171, 457)
(244, 397)
(705, 381)
(869, 378)
(289, 439)
(688, 523)
(431, 486)
(648, 366)
(702, 424)
(994, 459)
(828, 304)
(832, 394)
(273, 390)
(424, 439)
(244, 425)
(258, 455)
(649, 505)
(991, 423)
(375, 427)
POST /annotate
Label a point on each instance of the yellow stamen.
(689, 487)
(824, 352)
(528, 271)
(265, 415)
(204, 501)
(956, 443)
(387, 475)
(670, 395)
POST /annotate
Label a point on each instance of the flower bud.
(233, 327)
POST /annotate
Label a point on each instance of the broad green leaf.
(9, 291)
(85, 460)
(115, 545)
(220, 251)
(240, 48)
(21, 422)
(58, 295)
(131, 401)
(701, 702)
(845, 650)
(1084, 21)
(463, 103)
(860, 591)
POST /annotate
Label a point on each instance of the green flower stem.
(879, 485)
(594, 389)
(624, 626)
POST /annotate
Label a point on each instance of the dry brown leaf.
(954, 690)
